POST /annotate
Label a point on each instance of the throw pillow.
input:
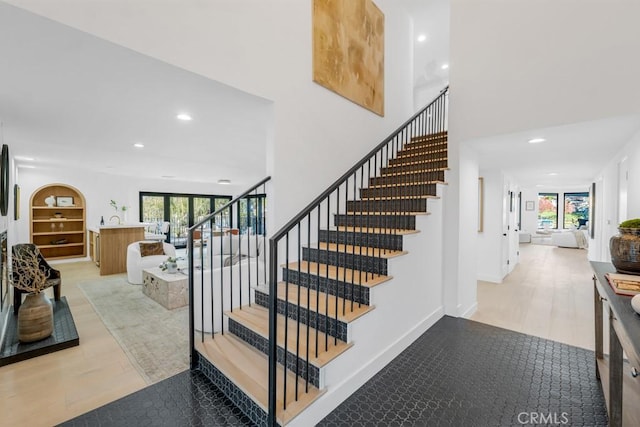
(151, 248)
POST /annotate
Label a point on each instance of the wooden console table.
(624, 334)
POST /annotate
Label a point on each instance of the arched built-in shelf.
(59, 231)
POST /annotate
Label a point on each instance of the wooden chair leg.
(56, 292)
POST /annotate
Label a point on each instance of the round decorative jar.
(35, 318)
(625, 250)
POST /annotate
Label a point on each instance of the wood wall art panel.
(348, 50)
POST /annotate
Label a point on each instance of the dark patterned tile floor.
(458, 373)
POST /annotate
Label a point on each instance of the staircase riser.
(407, 179)
(353, 261)
(404, 205)
(425, 143)
(376, 240)
(414, 150)
(408, 190)
(232, 392)
(332, 327)
(359, 294)
(430, 136)
(421, 158)
(417, 167)
(403, 222)
(261, 344)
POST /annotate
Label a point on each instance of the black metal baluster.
(221, 289)
(306, 384)
(355, 177)
(317, 282)
(298, 302)
(326, 301)
(344, 262)
(286, 325)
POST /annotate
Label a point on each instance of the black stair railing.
(370, 204)
(226, 260)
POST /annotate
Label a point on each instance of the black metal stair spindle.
(221, 291)
(326, 301)
(306, 384)
(317, 277)
(286, 325)
(298, 302)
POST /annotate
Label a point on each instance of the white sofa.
(570, 239)
(136, 263)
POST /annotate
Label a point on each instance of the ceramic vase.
(172, 267)
(625, 251)
(35, 318)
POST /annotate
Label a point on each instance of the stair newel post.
(286, 324)
(353, 251)
(298, 303)
(326, 300)
(338, 263)
(317, 277)
(193, 355)
(306, 386)
(273, 328)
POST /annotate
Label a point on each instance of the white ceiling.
(575, 152)
(72, 100)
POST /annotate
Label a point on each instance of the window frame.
(557, 197)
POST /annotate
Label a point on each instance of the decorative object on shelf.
(122, 208)
(35, 315)
(101, 220)
(50, 201)
(635, 303)
(170, 265)
(625, 247)
(4, 180)
(62, 201)
(59, 242)
(58, 215)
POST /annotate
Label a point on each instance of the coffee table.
(168, 289)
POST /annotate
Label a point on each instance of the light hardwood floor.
(549, 295)
(49, 389)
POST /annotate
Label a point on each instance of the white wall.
(529, 218)
(263, 48)
(490, 240)
(98, 189)
(536, 63)
(607, 197)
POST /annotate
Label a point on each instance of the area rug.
(155, 339)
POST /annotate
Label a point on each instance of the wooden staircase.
(324, 292)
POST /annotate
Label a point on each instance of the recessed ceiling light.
(167, 176)
(422, 38)
(138, 145)
(553, 173)
(445, 66)
(184, 117)
(539, 185)
(224, 181)
(26, 159)
(536, 140)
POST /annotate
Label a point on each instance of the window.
(251, 214)
(180, 210)
(576, 209)
(547, 210)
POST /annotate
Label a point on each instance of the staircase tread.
(248, 369)
(348, 275)
(322, 297)
(358, 250)
(256, 318)
(375, 230)
(418, 151)
(417, 162)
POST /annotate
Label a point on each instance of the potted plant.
(35, 315)
(625, 247)
(170, 265)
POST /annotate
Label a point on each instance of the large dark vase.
(625, 250)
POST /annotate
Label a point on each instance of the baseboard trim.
(330, 400)
(470, 311)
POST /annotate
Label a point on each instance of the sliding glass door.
(180, 210)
